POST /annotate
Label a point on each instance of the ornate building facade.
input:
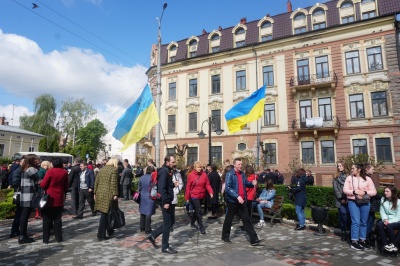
(332, 76)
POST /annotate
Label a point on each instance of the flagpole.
(258, 133)
(158, 95)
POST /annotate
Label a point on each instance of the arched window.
(265, 29)
(300, 16)
(172, 52)
(346, 4)
(299, 22)
(319, 21)
(266, 24)
(368, 9)
(347, 12)
(193, 48)
(240, 31)
(319, 11)
(215, 37)
(173, 48)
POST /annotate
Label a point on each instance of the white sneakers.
(261, 224)
(390, 247)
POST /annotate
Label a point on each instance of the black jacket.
(164, 185)
(74, 177)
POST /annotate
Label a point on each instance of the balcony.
(316, 124)
(306, 82)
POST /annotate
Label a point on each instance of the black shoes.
(102, 238)
(25, 240)
(169, 251)
(194, 226)
(202, 231)
(12, 235)
(226, 240)
(364, 244)
(153, 241)
(257, 242)
(298, 228)
(212, 217)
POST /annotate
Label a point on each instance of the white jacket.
(393, 216)
(176, 177)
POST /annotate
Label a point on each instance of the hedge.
(7, 208)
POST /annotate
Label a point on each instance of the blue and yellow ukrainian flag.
(138, 119)
(248, 110)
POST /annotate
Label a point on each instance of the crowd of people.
(236, 186)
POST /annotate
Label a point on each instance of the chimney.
(289, 6)
(2, 120)
(243, 21)
(219, 28)
(204, 32)
(268, 15)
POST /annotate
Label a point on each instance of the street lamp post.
(158, 95)
(201, 135)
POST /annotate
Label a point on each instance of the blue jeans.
(343, 217)
(359, 217)
(300, 215)
(260, 211)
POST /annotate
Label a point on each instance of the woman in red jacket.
(196, 188)
(250, 191)
(55, 183)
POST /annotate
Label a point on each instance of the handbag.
(40, 200)
(116, 218)
(365, 198)
(17, 197)
(136, 197)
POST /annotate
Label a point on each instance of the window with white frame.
(322, 66)
(215, 43)
(268, 75)
(383, 149)
(347, 12)
(171, 123)
(172, 91)
(192, 155)
(215, 84)
(352, 62)
(172, 53)
(307, 152)
(2, 147)
(216, 119)
(375, 58)
(327, 151)
(319, 21)
(241, 80)
(193, 48)
(368, 9)
(193, 88)
(241, 147)
(303, 72)
(193, 122)
(357, 105)
(170, 151)
(360, 146)
(269, 114)
(379, 103)
(305, 107)
(240, 38)
(266, 31)
(325, 108)
(216, 154)
(270, 155)
(299, 22)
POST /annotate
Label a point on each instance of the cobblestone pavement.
(129, 246)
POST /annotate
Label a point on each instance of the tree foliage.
(42, 122)
(89, 140)
(74, 113)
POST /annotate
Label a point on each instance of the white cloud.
(13, 113)
(72, 72)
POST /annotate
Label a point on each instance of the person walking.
(196, 188)
(106, 194)
(341, 198)
(126, 181)
(28, 178)
(355, 187)
(147, 205)
(250, 191)
(236, 201)
(165, 189)
(300, 197)
(73, 183)
(86, 186)
(55, 184)
(215, 183)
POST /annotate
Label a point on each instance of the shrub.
(7, 208)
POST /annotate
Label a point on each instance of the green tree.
(88, 140)
(42, 122)
(74, 114)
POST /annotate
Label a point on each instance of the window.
(215, 84)
(352, 62)
(215, 49)
(320, 25)
(216, 154)
(383, 149)
(303, 72)
(170, 151)
(172, 91)
(305, 112)
(379, 103)
(266, 24)
(307, 152)
(319, 12)
(347, 4)
(192, 155)
(347, 8)
(268, 75)
(172, 59)
(240, 43)
(327, 151)
(31, 149)
(357, 106)
(325, 108)
(2, 146)
(193, 48)
(360, 146)
(192, 121)
(300, 30)
(270, 156)
(300, 16)
(269, 114)
(171, 123)
(347, 19)
(266, 38)
(241, 146)
(215, 37)
(193, 88)
(322, 66)
(374, 58)
(241, 80)
(216, 119)
(240, 31)
(368, 15)
(172, 53)
(215, 43)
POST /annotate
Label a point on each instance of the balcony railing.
(316, 123)
(314, 79)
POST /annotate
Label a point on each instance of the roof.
(282, 28)
(18, 130)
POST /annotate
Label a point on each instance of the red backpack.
(154, 195)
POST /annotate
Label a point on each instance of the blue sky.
(100, 49)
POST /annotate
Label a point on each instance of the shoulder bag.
(365, 198)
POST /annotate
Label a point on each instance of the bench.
(275, 211)
(383, 182)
